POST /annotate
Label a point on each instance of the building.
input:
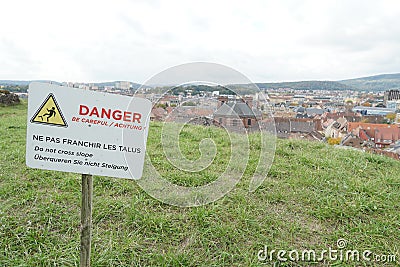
(394, 104)
(335, 128)
(373, 110)
(169, 100)
(391, 95)
(352, 140)
(124, 85)
(384, 137)
(378, 135)
(353, 126)
(285, 127)
(237, 113)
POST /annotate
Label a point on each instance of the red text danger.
(116, 114)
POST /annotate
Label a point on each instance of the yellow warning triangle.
(49, 113)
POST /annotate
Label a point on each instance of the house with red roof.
(384, 137)
(380, 135)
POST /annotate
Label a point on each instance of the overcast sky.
(134, 40)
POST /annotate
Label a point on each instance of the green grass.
(313, 195)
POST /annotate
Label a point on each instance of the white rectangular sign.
(81, 131)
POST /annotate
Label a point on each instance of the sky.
(268, 41)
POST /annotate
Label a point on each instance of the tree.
(391, 117)
(334, 141)
(366, 104)
(189, 103)
(164, 106)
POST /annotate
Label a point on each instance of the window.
(249, 122)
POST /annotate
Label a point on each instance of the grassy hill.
(313, 196)
(307, 85)
(373, 83)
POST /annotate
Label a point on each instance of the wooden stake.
(86, 219)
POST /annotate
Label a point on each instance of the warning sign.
(99, 133)
(49, 113)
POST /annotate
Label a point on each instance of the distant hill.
(102, 84)
(307, 85)
(381, 82)
(13, 84)
(24, 83)
(10, 82)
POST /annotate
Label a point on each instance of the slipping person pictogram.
(52, 113)
(49, 113)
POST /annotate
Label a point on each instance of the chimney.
(222, 100)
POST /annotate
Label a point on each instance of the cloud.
(133, 40)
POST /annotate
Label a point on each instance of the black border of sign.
(59, 111)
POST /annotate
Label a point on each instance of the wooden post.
(86, 219)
